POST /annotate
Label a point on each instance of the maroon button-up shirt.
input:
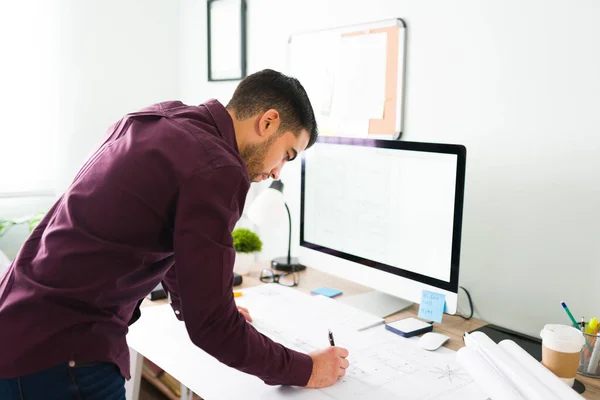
(156, 202)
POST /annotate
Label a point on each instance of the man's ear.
(269, 123)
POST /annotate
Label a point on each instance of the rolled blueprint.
(491, 382)
(519, 377)
(543, 374)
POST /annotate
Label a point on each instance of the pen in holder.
(590, 359)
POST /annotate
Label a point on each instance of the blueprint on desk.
(383, 365)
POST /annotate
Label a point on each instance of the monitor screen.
(390, 205)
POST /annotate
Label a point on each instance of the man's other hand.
(244, 311)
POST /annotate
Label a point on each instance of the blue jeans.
(85, 381)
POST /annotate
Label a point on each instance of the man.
(156, 202)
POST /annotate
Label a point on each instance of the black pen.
(331, 342)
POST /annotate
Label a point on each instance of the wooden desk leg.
(132, 386)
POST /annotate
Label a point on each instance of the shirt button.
(177, 312)
(71, 363)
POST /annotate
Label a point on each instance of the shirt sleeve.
(208, 207)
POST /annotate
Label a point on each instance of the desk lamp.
(263, 209)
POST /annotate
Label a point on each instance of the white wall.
(115, 57)
(514, 81)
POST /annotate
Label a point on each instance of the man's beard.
(254, 156)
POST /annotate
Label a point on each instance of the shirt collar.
(223, 122)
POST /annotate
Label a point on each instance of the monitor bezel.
(459, 150)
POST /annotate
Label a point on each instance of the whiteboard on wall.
(354, 77)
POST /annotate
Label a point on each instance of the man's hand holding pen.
(328, 365)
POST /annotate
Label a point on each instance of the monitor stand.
(377, 303)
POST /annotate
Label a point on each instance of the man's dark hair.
(268, 89)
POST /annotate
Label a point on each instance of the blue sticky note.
(432, 306)
(325, 291)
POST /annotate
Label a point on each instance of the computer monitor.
(385, 214)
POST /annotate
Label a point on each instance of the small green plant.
(31, 220)
(246, 241)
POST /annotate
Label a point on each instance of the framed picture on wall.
(226, 24)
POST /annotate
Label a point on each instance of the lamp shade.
(268, 205)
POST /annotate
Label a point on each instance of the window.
(29, 96)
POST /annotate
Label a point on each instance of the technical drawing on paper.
(450, 373)
(397, 368)
(382, 364)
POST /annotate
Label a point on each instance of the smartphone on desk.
(408, 327)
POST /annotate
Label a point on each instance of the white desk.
(383, 365)
(160, 337)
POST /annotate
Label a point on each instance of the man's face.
(267, 158)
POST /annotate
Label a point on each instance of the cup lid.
(562, 338)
